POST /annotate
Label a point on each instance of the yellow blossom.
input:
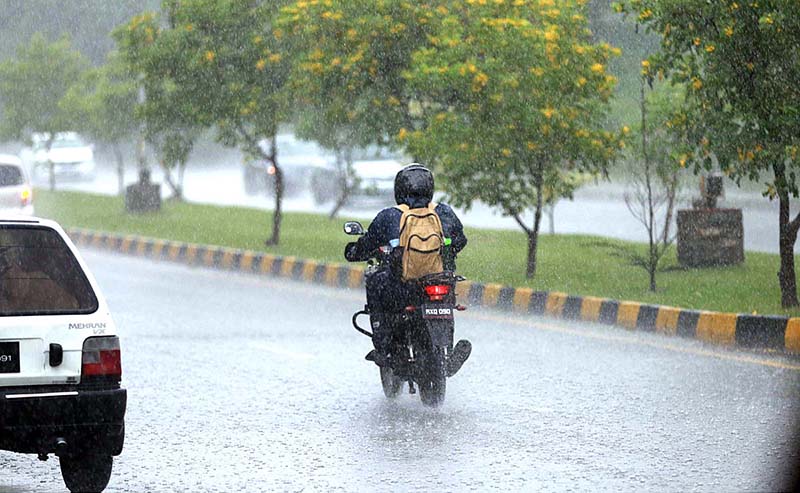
(506, 152)
(729, 31)
(531, 146)
(548, 112)
(597, 68)
(209, 56)
(189, 27)
(275, 58)
(402, 134)
(626, 130)
(697, 83)
(710, 48)
(261, 64)
(696, 41)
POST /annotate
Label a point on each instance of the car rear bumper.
(31, 422)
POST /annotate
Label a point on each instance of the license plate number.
(9, 357)
(433, 311)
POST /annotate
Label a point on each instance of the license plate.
(9, 357)
(434, 311)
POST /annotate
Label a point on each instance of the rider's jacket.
(385, 230)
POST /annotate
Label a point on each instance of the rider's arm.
(454, 228)
(378, 234)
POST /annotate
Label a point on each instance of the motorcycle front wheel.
(433, 382)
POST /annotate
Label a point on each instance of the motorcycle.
(422, 351)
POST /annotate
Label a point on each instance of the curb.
(775, 333)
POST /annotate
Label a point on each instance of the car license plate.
(9, 357)
(437, 311)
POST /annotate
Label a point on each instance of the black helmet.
(413, 185)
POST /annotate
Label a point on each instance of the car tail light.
(437, 292)
(101, 358)
(26, 196)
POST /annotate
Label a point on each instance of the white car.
(72, 157)
(372, 177)
(60, 365)
(16, 195)
(296, 158)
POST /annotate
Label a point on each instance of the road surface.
(241, 383)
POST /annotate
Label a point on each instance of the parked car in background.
(16, 195)
(296, 158)
(60, 366)
(71, 155)
(372, 176)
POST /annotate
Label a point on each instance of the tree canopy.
(513, 98)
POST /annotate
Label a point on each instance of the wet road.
(239, 383)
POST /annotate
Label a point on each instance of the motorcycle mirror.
(353, 228)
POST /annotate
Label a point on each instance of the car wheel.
(250, 181)
(86, 473)
(323, 187)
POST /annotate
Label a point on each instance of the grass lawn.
(575, 264)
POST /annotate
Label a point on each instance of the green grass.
(576, 264)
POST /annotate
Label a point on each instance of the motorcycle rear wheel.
(392, 385)
(433, 383)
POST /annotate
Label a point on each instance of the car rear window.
(10, 175)
(39, 275)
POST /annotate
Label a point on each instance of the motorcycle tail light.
(437, 291)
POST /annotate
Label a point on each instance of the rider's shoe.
(460, 353)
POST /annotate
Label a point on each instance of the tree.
(103, 103)
(215, 64)
(514, 96)
(350, 61)
(662, 151)
(740, 63)
(348, 73)
(33, 87)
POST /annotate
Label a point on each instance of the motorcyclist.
(386, 291)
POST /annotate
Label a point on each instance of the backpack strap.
(402, 208)
(433, 206)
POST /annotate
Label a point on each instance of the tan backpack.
(422, 239)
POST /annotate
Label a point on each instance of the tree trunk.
(277, 214)
(788, 235)
(787, 238)
(51, 167)
(533, 235)
(177, 192)
(340, 202)
(120, 169)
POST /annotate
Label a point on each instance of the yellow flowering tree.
(349, 57)
(514, 96)
(214, 63)
(739, 61)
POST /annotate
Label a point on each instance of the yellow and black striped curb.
(727, 329)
